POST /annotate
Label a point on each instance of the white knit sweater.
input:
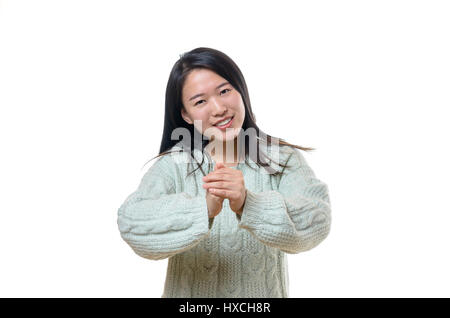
(230, 255)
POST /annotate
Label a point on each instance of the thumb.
(219, 165)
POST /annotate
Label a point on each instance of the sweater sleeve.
(296, 217)
(156, 222)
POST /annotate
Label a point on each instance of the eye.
(224, 90)
(198, 102)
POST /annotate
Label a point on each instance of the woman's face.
(209, 99)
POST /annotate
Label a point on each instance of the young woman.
(227, 202)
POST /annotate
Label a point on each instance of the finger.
(221, 193)
(222, 171)
(219, 165)
(218, 176)
(212, 195)
(220, 185)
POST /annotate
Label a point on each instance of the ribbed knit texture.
(228, 256)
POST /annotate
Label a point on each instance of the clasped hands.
(229, 184)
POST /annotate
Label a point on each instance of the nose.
(218, 108)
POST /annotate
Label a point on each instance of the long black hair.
(221, 64)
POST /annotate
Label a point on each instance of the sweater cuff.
(259, 208)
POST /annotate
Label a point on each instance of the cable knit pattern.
(230, 255)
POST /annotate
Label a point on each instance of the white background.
(366, 83)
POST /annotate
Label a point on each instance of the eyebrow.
(201, 94)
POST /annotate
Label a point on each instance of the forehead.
(201, 80)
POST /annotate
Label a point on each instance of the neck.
(224, 151)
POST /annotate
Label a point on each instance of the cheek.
(235, 99)
(203, 116)
(237, 103)
(240, 109)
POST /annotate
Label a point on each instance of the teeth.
(223, 122)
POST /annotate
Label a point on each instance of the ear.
(185, 116)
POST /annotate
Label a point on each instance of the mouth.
(226, 125)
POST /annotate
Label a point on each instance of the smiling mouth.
(226, 125)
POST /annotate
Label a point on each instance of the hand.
(227, 183)
(214, 203)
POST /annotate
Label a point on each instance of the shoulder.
(166, 164)
(286, 155)
(281, 153)
(176, 160)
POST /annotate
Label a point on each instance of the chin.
(213, 133)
